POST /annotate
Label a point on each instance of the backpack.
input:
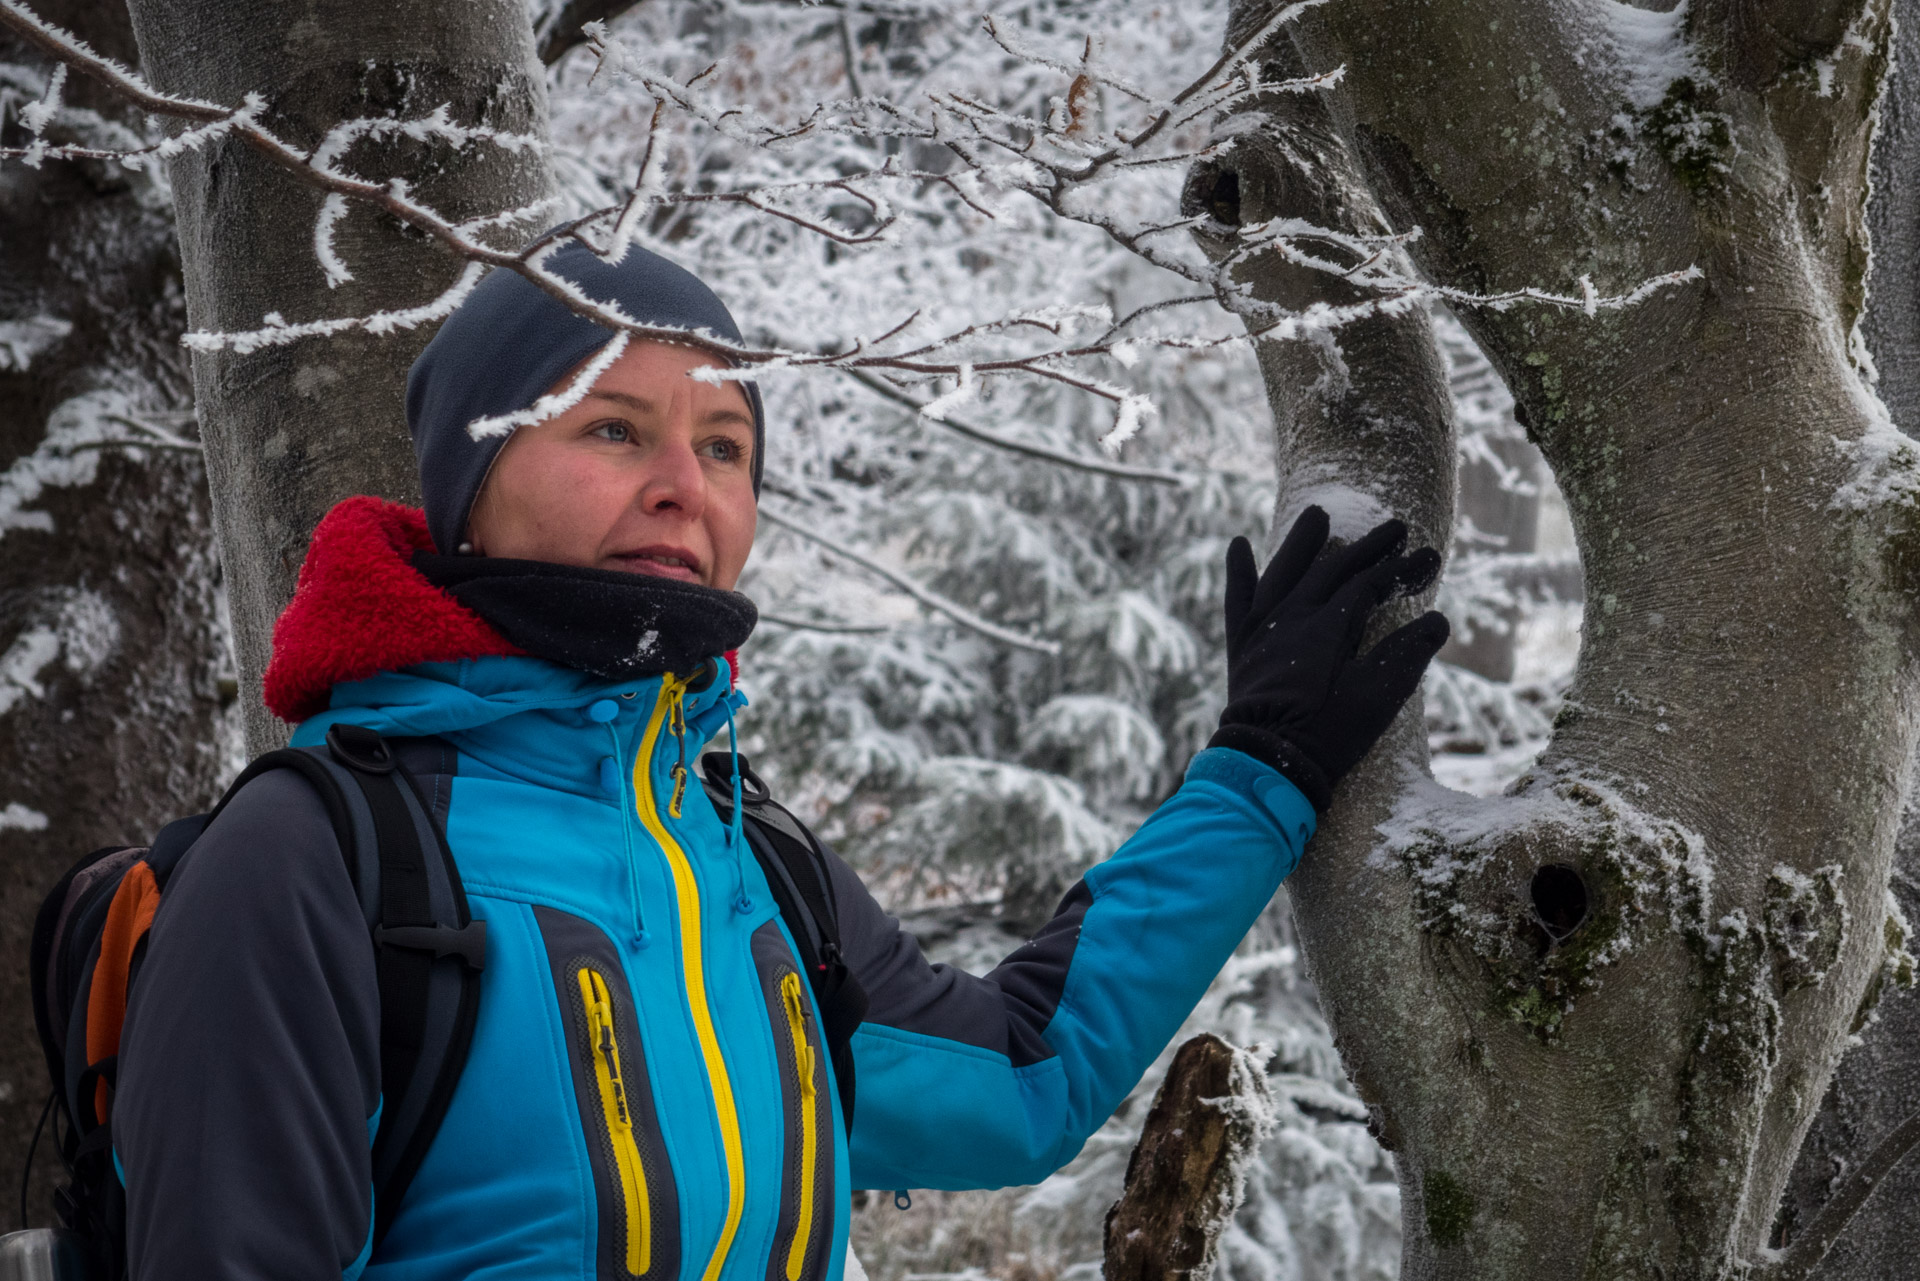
(91, 934)
(90, 939)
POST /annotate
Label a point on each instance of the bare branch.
(850, 56)
(1228, 63)
(881, 387)
(561, 33)
(974, 132)
(931, 599)
(1798, 1261)
(816, 625)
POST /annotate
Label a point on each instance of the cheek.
(731, 519)
(563, 506)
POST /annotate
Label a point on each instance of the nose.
(675, 483)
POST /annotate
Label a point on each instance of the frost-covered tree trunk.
(110, 656)
(291, 430)
(1500, 507)
(1878, 1083)
(1595, 1017)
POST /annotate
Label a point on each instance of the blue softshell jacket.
(647, 1093)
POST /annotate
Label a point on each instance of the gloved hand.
(1300, 695)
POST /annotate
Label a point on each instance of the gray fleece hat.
(510, 341)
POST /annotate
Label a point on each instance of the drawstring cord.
(640, 936)
(743, 903)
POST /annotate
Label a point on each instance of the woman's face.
(651, 473)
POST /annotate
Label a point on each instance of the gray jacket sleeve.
(250, 1060)
(1005, 1012)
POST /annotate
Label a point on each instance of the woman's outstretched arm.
(991, 1081)
(982, 1082)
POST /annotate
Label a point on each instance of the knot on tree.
(1806, 922)
(1301, 175)
(1187, 1174)
(1897, 967)
(1881, 493)
(1544, 892)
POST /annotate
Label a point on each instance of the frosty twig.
(886, 390)
(931, 599)
(1056, 160)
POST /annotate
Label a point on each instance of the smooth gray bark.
(1512, 516)
(1877, 1085)
(291, 430)
(107, 606)
(1624, 1098)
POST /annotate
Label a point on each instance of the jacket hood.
(359, 608)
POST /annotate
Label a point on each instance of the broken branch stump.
(1185, 1177)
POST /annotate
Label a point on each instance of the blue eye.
(614, 431)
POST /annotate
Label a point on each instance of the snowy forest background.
(972, 779)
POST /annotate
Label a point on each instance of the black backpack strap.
(796, 869)
(325, 781)
(429, 950)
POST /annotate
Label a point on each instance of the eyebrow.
(643, 406)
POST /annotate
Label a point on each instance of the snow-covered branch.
(1099, 466)
(1060, 159)
(818, 625)
(926, 596)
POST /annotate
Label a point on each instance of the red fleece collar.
(360, 607)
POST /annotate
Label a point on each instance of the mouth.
(661, 562)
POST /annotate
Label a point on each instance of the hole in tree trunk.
(1223, 198)
(1559, 900)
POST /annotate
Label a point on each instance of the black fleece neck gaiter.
(614, 624)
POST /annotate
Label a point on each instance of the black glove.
(1300, 695)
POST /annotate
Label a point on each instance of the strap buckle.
(468, 942)
(358, 747)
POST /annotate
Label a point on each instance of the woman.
(548, 679)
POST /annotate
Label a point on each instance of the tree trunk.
(1878, 1083)
(1595, 1017)
(291, 430)
(110, 652)
(1499, 508)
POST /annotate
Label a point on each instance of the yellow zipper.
(613, 1102)
(803, 1064)
(687, 895)
(677, 725)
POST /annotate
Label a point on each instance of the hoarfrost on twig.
(1055, 161)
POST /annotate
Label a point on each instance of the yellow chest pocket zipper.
(635, 1207)
(628, 1168)
(805, 1230)
(806, 1067)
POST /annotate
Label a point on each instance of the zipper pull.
(677, 723)
(600, 1028)
(797, 1023)
(677, 712)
